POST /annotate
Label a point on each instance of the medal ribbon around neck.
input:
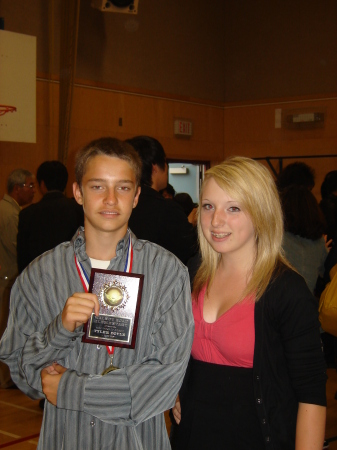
(85, 283)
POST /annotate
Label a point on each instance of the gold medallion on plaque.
(113, 295)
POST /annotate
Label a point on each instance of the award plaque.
(119, 295)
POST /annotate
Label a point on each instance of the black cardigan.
(289, 365)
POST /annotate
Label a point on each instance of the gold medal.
(111, 368)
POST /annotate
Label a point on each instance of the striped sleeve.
(34, 339)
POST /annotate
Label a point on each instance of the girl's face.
(225, 225)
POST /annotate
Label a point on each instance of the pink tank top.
(229, 340)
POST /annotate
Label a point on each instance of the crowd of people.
(239, 361)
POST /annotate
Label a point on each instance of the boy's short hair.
(54, 174)
(110, 147)
(151, 152)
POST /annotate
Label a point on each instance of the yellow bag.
(328, 304)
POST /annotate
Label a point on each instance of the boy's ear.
(43, 187)
(135, 200)
(77, 193)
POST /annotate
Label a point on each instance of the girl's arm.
(310, 427)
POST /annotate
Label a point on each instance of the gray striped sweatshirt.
(124, 409)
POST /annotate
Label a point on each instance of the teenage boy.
(42, 344)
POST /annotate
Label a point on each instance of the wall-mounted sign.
(182, 127)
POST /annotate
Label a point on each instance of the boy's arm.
(27, 354)
(59, 337)
(149, 387)
(28, 345)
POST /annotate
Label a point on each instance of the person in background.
(20, 192)
(328, 204)
(155, 218)
(303, 241)
(256, 379)
(168, 191)
(329, 341)
(190, 209)
(186, 202)
(54, 219)
(297, 173)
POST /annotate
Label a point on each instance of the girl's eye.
(234, 209)
(207, 206)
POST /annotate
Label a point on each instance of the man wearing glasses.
(20, 192)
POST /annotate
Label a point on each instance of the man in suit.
(155, 218)
(54, 219)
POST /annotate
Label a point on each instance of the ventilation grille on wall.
(305, 119)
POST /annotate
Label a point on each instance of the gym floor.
(20, 418)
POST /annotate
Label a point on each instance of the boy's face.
(108, 195)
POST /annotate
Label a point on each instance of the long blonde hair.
(251, 184)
